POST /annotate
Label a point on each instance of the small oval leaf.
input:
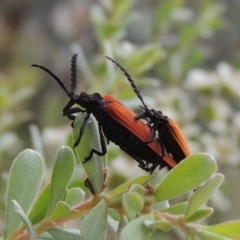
(202, 194)
(125, 187)
(132, 204)
(177, 209)
(122, 223)
(61, 211)
(97, 218)
(40, 208)
(137, 229)
(66, 234)
(200, 214)
(187, 175)
(24, 181)
(206, 235)
(61, 176)
(74, 196)
(161, 224)
(28, 225)
(90, 140)
(229, 229)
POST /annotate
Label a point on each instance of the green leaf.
(125, 187)
(135, 188)
(177, 209)
(61, 176)
(161, 224)
(202, 194)
(161, 205)
(200, 214)
(206, 235)
(46, 236)
(90, 140)
(137, 229)
(24, 181)
(94, 225)
(62, 211)
(114, 214)
(122, 223)
(74, 196)
(40, 208)
(66, 234)
(132, 204)
(229, 229)
(187, 175)
(28, 225)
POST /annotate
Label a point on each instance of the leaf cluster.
(137, 208)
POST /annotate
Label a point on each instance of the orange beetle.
(169, 134)
(117, 123)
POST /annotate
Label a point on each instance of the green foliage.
(136, 204)
(164, 51)
(25, 178)
(93, 168)
(97, 217)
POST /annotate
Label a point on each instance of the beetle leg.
(141, 116)
(70, 113)
(103, 146)
(73, 110)
(68, 106)
(71, 117)
(152, 168)
(163, 149)
(81, 130)
(146, 167)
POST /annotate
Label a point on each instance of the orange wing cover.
(179, 137)
(123, 115)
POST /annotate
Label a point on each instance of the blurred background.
(182, 54)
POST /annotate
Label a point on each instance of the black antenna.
(54, 77)
(130, 80)
(73, 74)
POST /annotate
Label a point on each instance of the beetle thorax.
(159, 116)
(90, 101)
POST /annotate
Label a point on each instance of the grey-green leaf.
(202, 194)
(46, 236)
(90, 140)
(61, 176)
(200, 214)
(187, 175)
(163, 225)
(74, 196)
(94, 225)
(125, 187)
(24, 181)
(206, 235)
(66, 234)
(40, 208)
(137, 229)
(61, 211)
(132, 203)
(122, 223)
(177, 209)
(229, 229)
(27, 223)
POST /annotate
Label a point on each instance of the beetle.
(169, 133)
(116, 122)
